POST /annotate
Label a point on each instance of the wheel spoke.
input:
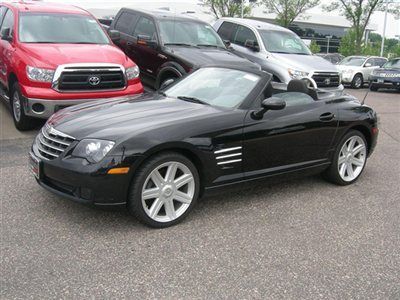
(358, 162)
(155, 208)
(341, 160)
(350, 146)
(182, 197)
(151, 193)
(169, 209)
(342, 170)
(171, 172)
(181, 181)
(157, 179)
(358, 149)
(350, 171)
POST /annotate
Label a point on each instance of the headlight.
(296, 74)
(132, 73)
(93, 150)
(347, 71)
(37, 74)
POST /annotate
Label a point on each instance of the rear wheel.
(164, 190)
(349, 159)
(373, 88)
(21, 121)
(357, 81)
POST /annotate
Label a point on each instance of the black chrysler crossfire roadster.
(214, 128)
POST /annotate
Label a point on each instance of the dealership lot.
(300, 239)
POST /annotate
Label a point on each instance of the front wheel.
(21, 121)
(164, 190)
(373, 88)
(357, 81)
(349, 159)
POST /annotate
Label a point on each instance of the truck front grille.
(52, 143)
(326, 79)
(100, 78)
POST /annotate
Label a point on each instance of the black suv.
(167, 46)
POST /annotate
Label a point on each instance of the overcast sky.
(392, 28)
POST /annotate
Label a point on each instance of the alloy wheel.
(352, 158)
(168, 191)
(358, 82)
(17, 107)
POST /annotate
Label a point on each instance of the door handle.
(326, 117)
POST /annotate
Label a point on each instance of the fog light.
(38, 108)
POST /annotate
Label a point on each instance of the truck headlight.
(297, 74)
(93, 150)
(132, 73)
(38, 74)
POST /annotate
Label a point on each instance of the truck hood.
(305, 63)
(210, 56)
(50, 56)
(115, 119)
(349, 68)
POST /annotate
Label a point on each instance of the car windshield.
(60, 29)
(353, 61)
(215, 86)
(283, 42)
(394, 63)
(189, 33)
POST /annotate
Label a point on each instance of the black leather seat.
(300, 86)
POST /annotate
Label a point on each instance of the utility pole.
(327, 47)
(384, 27)
(242, 9)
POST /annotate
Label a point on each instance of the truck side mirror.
(251, 44)
(6, 35)
(145, 40)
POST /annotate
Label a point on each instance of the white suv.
(280, 52)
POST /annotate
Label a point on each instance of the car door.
(145, 54)
(242, 40)
(6, 47)
(369, 65)
(125, 24)
(298, 136)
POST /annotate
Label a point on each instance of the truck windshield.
(283, 42)
(353, 61)
(181, 32)
(60, 29)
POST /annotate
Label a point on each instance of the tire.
(357, 81)
(165, 79)
(165, 204)
(357, 154)
(373, 88)
(21, 121)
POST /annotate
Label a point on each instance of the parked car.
(356, 70)
(334, 58)
(167, 46)
(217, 127)
(386, 77)
(53, 56)
(279, 51)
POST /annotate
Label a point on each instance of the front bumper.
(75, 179)
(385, 82)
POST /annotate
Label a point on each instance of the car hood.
(349, 68)
(119, 119)
(305, 63)
(210, 56)
(50, 56)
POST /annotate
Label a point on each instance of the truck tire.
(21, 121)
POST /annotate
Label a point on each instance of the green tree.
(227, 8)
(288, 10)
(359, 14)
(348, 44)
(314, 47)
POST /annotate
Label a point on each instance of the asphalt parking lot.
(299, 239)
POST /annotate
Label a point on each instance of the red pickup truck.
(53, 56)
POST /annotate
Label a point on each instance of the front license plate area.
(34, 165)
(380, 80)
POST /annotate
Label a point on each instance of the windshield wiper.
(180, 44)
(192, 99)
(209, 45)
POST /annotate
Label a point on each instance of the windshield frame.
(280, 32)
(247, 102)
(88, 16)
(198, 22)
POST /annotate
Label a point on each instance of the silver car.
(280, 52)
(356, 70)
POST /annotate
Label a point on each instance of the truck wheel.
(21, 121)
(357, 81)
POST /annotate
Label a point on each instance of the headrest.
(298, 85)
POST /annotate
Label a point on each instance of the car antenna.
(365, 97)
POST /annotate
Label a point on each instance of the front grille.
(87, 79)
(326, 79)
(51, 143)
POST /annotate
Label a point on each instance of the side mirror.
(251, 44)
(115, 35)
(227, 43)
(6, 34)
(367, 65)
(167, 83)
(273, 103)
(145, 40)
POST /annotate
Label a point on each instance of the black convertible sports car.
(216, 127)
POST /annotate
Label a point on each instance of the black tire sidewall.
(354, 81)
(135, 194)
(332, 173)
(25, 122)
